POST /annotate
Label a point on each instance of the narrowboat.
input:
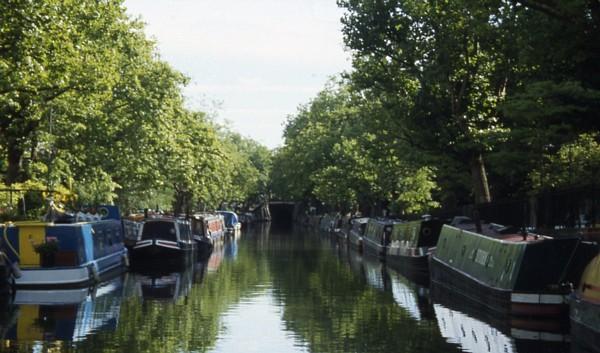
(209, 225)
(585, 308)
(232, 224)
(518, 274)
(165, 238)
(201, 225)
(356, 233)
(411, 243)
(329, 222)
(131, 229)
(342, 229)
(51, 254)
(69, 315)
(377, 236)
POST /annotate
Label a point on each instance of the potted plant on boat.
(47, 250)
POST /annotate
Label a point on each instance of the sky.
(250, 62)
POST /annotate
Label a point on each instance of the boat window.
(159, 230)
(99, 239)
(184, 231)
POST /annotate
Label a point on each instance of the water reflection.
(160, 286)
(269, 290)
(412, 297)
(64, 315)
(476, 329)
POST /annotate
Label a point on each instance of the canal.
(268, 291)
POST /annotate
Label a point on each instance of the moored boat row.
(512, 273)
(71, 251)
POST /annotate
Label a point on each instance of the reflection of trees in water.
(333, 309)
(188, 322)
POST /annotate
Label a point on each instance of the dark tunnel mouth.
(282, 215)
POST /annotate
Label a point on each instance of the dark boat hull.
(4, 279)
(160, 254)
(502, 301)
(373, 248)
(413, 264)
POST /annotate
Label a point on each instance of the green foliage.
(339, 151)
(87, 104)
(574, 164)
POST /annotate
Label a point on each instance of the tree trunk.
(479, 179)
(14, 173)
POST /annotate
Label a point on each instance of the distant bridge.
(282, 212)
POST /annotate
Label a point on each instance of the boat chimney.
(477, 220)
(524, 233)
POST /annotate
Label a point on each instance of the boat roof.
(360, 220)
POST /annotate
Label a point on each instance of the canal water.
(268, 291)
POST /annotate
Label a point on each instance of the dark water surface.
(268, 291)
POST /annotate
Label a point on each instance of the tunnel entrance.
(282, 213)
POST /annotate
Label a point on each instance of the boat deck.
(497, 231)
(515, 237)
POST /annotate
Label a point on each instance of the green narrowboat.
(357, 231)
(377, 236)
(411, 244)
(510, 273)
(585, 308)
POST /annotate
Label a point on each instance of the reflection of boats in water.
(477, 329)
(374, 272)
(160, 285)
(65, 314)
(410, 296)
(215, 259)
(230, 248)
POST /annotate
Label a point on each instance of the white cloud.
(260, 58)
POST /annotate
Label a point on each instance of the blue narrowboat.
(232, 224)
(65, 254)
